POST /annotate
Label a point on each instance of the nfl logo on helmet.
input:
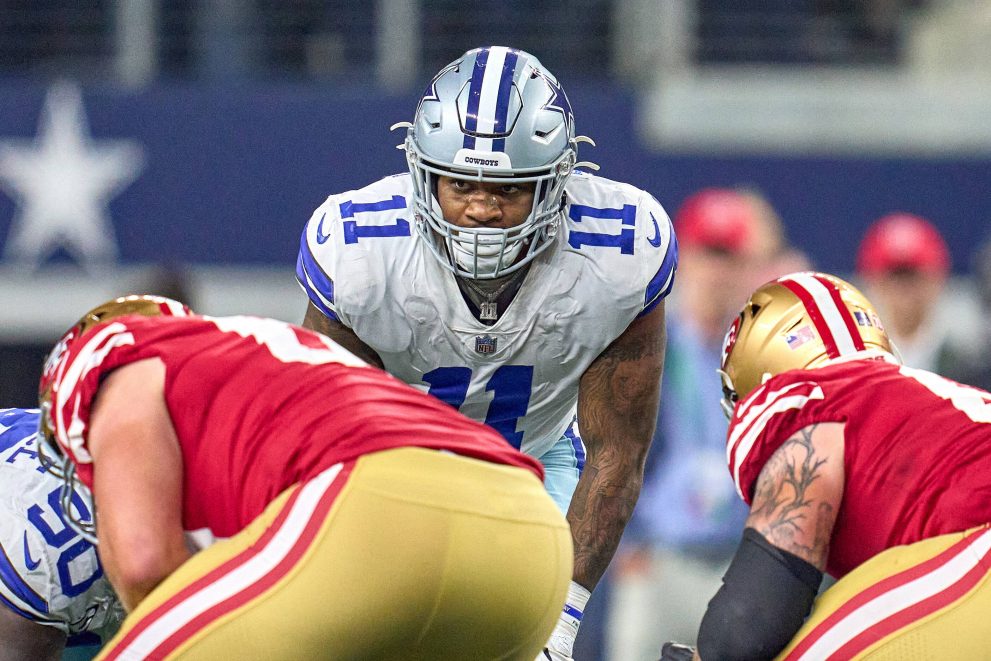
(486, 344)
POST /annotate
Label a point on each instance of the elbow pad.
(766, 595)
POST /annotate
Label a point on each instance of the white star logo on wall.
(62, 182)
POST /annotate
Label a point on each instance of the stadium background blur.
(179, 146)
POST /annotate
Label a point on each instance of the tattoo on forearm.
(782, 505)
(624, 382)
(616, 412)
(602, 507)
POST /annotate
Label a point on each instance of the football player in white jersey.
(52, 588)
(516, 288)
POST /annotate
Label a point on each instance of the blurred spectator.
(687, 522)
(773, 255)
(904, 263)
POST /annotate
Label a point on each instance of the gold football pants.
(928, 600)
(407, 554)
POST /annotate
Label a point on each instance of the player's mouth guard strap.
(766, 594)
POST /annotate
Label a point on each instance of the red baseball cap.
(718, 218)
(903, 241)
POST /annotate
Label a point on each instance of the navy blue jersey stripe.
(311, 295)
(660, 285)
(578, 445)
(308, 271)
(18, 586)
(23, 613)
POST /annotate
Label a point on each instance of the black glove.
(677, 652)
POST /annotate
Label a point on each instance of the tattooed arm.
(798, 493)
(617, 410)
(771, 584)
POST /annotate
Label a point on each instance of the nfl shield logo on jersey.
(486, 344)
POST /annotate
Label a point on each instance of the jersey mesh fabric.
(917, 464)
(259, 405)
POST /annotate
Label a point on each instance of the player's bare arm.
(798, 493)
(24, 640)
(317, 321)
(133, 444)
(617, 411)
(771, 583)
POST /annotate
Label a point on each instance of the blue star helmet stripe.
(559, 101)
(430, 93)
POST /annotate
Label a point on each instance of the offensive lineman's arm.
(617, 410)
(772, 581)
(798, 493)
(24, 640)
(137, 481)
(317, 321)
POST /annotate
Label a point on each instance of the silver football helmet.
(493, 115)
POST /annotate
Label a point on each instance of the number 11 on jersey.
(510, 386)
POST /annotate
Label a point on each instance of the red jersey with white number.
(917, 450)
(259, 405)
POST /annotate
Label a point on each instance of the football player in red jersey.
(856, 465)
(261, 493)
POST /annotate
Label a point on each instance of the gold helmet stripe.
(832, 318)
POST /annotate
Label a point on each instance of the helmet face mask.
(798, 321)
(51, 453)
(495, 116)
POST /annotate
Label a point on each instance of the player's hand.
(551, 655)
(678, 652)
(562, 641)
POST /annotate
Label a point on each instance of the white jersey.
(48, 573)
(363, 263)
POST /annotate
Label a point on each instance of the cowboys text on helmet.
(493, 115)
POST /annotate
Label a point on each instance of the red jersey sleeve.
(767, 418)
(77, 376)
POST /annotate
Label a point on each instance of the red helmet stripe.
(171, 308)
(830, 315)
(812, 308)
(848, 320)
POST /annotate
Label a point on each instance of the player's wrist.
(562, 639)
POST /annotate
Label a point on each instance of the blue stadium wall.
(232, 174)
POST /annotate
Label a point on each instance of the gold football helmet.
(50, 454)
(795, 322)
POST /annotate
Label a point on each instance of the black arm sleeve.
(766, 595)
